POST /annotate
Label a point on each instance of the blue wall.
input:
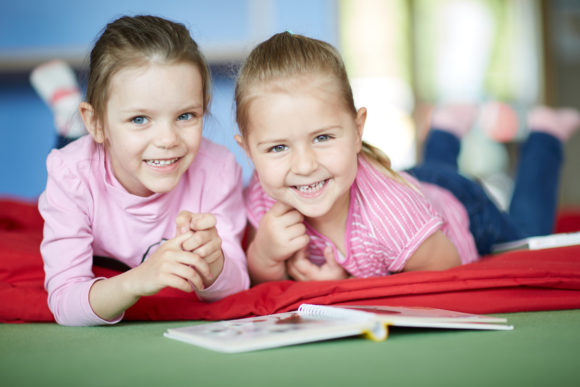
(35, 31)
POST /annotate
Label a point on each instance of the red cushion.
(509, 282)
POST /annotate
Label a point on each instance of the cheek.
(194, 142)
(345, 165)
(270, 173)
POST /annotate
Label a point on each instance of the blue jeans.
(62, 141)
(534, 200)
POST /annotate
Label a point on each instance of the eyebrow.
(312, 133)
(132, 110)
(271, 141)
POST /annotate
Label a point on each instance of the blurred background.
(404, 58)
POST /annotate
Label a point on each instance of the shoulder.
(74, 162)
(389, 197)
(373, 177)
(73, 178)
(79, 150)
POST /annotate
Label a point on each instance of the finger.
(179, 283)
(199, 238)
(213, 256)
(179, 239)
(206, 240)
(196, 262)
(182, 222)
(280, 208)
(209, 248)
(191, 277)
(291, 218)
(293, 271)
(330, 257)
(295, 231)
(177, 277)
(298, 266)
(202, 222)
(299, 242)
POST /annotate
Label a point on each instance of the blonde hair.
(132, 41)
(286, 56)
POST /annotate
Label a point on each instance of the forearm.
(263, 268)
(215, 268)
(232, 279)
(111, 297)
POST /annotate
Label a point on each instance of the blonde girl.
(323, 204)
(117, 194)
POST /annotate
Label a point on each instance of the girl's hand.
(171, 266)
(205, 241)
(280, 234)
(183, 222)
(301, 269)
(168, 266)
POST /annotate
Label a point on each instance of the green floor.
(543, 350)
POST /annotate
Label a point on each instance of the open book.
(316, 323)
(539, 242)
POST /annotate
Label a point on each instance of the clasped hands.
(192, 260)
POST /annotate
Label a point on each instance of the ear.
(360, 119)
(91, 122)
(240, 140)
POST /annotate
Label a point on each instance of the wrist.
(215, 269)
(263, 267)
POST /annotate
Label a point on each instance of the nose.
(166, 136)
(304, 160)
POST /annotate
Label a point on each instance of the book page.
(270, 331)
(425, 317)
(539, 242)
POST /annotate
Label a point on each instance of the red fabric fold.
(509, 282)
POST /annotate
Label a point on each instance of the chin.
(161, 188)
(311, 211)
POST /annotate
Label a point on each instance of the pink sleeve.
(257, 201)
(66, 247)
(225, 201)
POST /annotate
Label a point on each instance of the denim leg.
(535, 197)
(62, 141)
(441, 147)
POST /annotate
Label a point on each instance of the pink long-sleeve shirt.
(87, 213)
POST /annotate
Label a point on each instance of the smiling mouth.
(311, 188)
(162, 163)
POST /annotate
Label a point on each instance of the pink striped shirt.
(387, 221)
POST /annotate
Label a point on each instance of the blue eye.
(321, 138)
(278, 148)
(139, 120)
(185, 117)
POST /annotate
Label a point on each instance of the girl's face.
(304, 146)
(153, 125)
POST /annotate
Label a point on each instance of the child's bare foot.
(561, 123)
(456, 118)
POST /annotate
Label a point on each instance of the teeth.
(161, 163)
(311, 187)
